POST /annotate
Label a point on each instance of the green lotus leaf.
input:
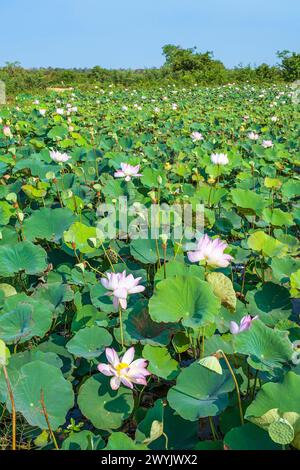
(140, 327)
(180, 342)
(277, 217)
(104, 407)
(35, 192)
(4, 354)
(55, 294)
(37, 378)
(192, 301)
(249, 437)
(273, 183)
(6, 211)
(16, 361)
(247, 199)
(283, 268)
(269, 246)
(223, 288)
(7, 290)
(146, 251)
(24, 256)
(200, 392)
(58, 132)
(177, 268)
(22, 318)
(83, 440)
(88, 315)
(79, 235)
(160, 362)
(271, 302)
(120, 441)
(275, 402)
(48, 224)
(182, 434)
(295, 284)
(291, 188)
(267, 349)
(89, 342)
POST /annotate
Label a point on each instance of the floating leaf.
(104, 407)
(160, 362)
(199, 392)
(24, 256)
(184, 298)
(89, 342)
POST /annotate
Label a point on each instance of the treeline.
(185, 66)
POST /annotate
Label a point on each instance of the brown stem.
(235, 383)
(47, 420)
(13, 408)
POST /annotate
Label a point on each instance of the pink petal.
(195, 256)
(128, 356)
(135, 290)
(105, 369)
(126, 382)
(123, 303)
(112, 356)
(234, 327)
(115, 383)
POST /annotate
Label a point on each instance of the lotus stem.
(13, 408)
(235, 383)
(121, 326)
(47, 420)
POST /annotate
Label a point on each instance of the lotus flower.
(123, 370)
(219, 158)
(7, 131)
(267, 144)
(121, 286)
(253, 136)
(195, 136)
(127, 171)
(59, 111)
(42, 112)
(59, 157)
(211, 251)
(244, 325)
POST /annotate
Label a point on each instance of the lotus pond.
(157, 342)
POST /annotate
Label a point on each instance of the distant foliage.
(186, 66)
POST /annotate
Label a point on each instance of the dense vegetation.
(211, 330)
(185, 66)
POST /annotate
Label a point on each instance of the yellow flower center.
(121, 366)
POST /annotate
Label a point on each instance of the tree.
(290, 65)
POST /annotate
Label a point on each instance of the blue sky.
(131, 33)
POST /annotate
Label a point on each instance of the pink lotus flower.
(127, 171)
(42, 112)
(124, 370)
(7, 131)
(59, 157)
(244, 325)
(121, 286)
(195, 136)
(219, 158)
(267, 144)
(253, 136)
(211, 251)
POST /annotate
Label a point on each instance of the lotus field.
(149, 270)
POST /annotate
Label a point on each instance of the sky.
(131, 33)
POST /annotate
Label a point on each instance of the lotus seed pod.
(281, 431)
